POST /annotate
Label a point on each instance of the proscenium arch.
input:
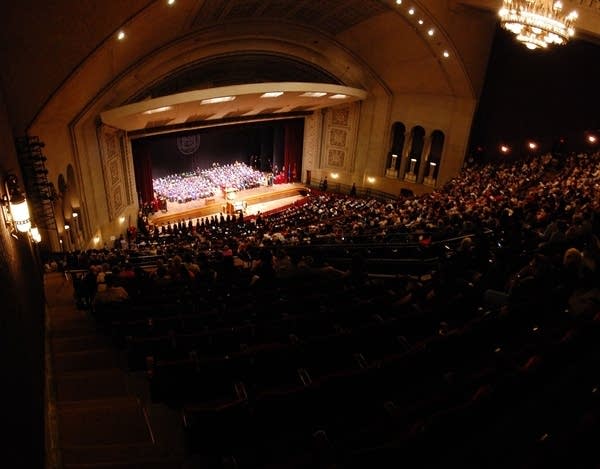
(233, 69)
(292, 43)
(157, 69)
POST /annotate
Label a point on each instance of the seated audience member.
(112, 294)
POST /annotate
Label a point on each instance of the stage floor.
(260, 199)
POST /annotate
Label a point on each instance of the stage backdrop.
(261, 145)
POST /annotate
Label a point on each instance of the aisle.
(98, 414)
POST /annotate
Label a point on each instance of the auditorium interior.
(253, 234)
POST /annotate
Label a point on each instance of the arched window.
(435, 153)
(415, 155)
(395, 153)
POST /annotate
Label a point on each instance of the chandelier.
(537, 23)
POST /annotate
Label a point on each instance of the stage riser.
(252, 197)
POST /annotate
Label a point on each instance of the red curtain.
(142, 164)
(292, 152)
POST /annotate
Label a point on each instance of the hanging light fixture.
(15, 208)
(538, 23)
(35, 234)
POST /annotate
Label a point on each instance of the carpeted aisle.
(98, 414)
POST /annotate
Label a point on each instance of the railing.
(366, 192)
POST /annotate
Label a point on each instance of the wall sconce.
(35, 234)
(14, 206)
(413, 162)
(432, 166)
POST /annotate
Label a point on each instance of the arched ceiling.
(333, 16)
(235, 69)
(45, 45)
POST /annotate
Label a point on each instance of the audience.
(513, 241)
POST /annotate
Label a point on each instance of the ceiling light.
(338, 96)
(446, 54)
(430, 32)
(537, 23)
(314, 94)
(421, 21)
(398, 2)
(271, 94)
(121, 35)
(170, 2)
(220, 99)
(411, 11)
(158, 109)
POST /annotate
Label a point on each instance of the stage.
(260, 199)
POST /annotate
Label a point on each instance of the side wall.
(21, 333)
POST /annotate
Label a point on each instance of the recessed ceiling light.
(170, 2)
(121, 35)
(411, 11)
(158, 109)
(338, 96)
(220, 99)
(314, 94)
(398, 2)
(430, 32)
(446, 54)
(421, 21)
(271, 94)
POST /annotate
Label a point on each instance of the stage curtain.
(292, 154)
(142, 163)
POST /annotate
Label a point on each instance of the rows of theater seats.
(307, 374)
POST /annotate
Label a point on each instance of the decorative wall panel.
(340, 127)
(113, 155)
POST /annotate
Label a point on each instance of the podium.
(235, 206)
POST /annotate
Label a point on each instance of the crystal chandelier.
(537, 23)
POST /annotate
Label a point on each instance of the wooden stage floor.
(260, 199)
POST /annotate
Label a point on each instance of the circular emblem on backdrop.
(188, 144)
